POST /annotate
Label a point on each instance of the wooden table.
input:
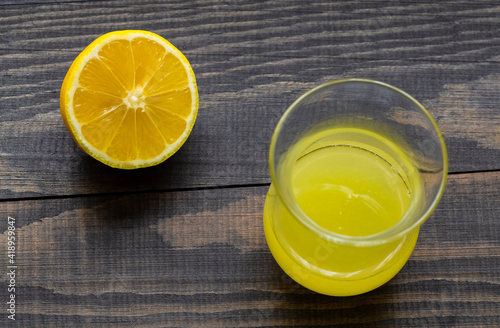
(182, 243)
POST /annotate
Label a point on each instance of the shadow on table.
(95, 177)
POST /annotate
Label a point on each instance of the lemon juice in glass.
(356, 166)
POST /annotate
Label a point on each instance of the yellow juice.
(350, 185)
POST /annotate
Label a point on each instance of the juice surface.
(351, 182)
(349, 190)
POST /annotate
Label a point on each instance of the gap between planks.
(125, 193)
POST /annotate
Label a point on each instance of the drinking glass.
(357, 166)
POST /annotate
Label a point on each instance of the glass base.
(325, 285)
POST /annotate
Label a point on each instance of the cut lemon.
(130, 99)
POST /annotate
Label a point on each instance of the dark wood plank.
(34, 2)
(199, 258)
(252, 59)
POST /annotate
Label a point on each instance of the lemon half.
(130, 99)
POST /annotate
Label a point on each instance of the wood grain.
(252, 59)
(199, 258)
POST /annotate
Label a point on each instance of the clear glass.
(356, 166)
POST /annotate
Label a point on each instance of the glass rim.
(368, 240)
